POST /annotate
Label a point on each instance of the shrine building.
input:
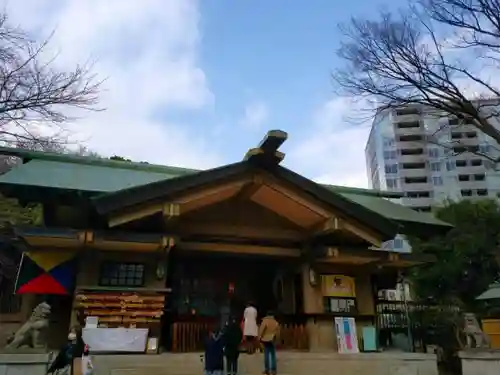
(162, 250)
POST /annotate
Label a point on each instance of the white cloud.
(331, 150)
(148, 52)
(255, 116)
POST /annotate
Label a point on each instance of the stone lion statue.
(29, 334)
(474, 336)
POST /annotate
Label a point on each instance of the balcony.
(472, 185)
(410, 145)
(413, 172)
(467, 142)
(417, 202)
(416, 186)
(414, 158)
(471, 169)
(413, 117)
(408, 131)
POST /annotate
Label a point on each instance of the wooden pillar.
(312, 295)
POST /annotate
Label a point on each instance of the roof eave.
(424, 230)
(109, 202)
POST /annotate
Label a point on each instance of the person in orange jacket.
(269, 332)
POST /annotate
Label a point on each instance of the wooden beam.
(250, 188)
(267, 152)
(349, 256)
(273, 140)
(405, 260)
(134, 214)
(305, 203)
(239, 249)
(257, 154)
(364, 233)
(238, 231)
(330, 225)
(143, 247)
(181, 205)
(205, 197)
(335, 224)
(165, 243)
(171, 211)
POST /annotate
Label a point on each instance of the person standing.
(269, 332)
(225, 314)
(87, 367)
(63, 363)
(250, 328)
(214, 353)
(232, 342)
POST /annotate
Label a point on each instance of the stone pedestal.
(23, 363)
(480, 362)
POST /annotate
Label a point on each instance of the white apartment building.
(405, 153)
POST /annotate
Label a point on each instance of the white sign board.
(115, 339)
(91, 322)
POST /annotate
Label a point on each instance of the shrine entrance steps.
(289, 363)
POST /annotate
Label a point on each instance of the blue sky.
(196, 83)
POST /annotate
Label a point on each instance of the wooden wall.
(322, 330)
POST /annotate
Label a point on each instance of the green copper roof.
(94, 175)
(62, 171)
(493, 292)
(94, 178)
(391, 210)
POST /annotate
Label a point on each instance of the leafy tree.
(466, 256)
(119, 158)
(441, 55)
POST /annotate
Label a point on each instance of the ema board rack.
(123, 309)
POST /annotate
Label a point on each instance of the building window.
(390, 154)
(122, 274)
(435, 166)
(391, 168)
(485, 148)
(437, 180)
(398, 243)
(334, 305)
(392, 183)
(388, 142)
(434, 152)
(466, 193)
(450, 165)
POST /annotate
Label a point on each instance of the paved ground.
(289, 363)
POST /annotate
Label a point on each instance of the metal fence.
(411, 326)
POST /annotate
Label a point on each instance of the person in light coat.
(250, 327)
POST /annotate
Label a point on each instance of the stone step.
(289, 363)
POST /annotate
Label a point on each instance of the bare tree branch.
(34, 91)
(405, 59)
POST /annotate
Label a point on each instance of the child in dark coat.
(232, 341)
(214, 353)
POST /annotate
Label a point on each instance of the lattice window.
(122, 274)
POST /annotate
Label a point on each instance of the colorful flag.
(46, 272)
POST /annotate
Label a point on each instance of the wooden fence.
(189, 336)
